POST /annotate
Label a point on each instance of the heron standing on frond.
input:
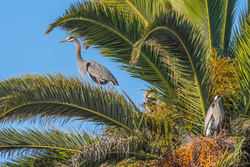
(97, 72)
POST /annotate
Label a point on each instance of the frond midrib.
(39, 146)
(208, 25)
(134, 8)
(224, 24)
(191, 64)
(71, 105)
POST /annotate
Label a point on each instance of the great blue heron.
(149, 98)
(97, 72)
(214, 117)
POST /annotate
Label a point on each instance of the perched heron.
(214, 117)
(97, 72)
(149, 98)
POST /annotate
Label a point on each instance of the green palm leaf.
(215, 17)
(55, 147)
(12, 140)
(45, 158)
(182, 45)
(57, 96)
(229, 13)
(145, 9)
(242, 53)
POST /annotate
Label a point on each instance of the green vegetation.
(187, 50)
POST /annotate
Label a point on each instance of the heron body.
(147, 96)
(97, 72)
(149, 99)
(215, 116)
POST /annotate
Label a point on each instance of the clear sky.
(25, 48)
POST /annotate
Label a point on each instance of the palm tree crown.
(175, 46)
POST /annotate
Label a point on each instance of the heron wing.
(218, 114)
(209, 119)
(100, 72)
(96, 80)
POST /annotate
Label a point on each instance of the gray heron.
(149, 98)
(97, 72)
(215, 116)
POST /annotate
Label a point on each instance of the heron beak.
(63, 41)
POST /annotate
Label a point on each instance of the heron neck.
(78, 51)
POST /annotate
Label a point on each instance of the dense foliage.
(187, 51)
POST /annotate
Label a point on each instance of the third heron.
(215, 116)
(97, 72)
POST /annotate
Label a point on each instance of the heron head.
(69, 39)
(217, 98)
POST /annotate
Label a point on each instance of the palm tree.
(167, 44)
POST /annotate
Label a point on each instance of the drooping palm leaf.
(56, 96)
(12, 140)
(45, 158)
(229, 13)
(242, 53)
(78, 149)
(215, 17)
(182, 46)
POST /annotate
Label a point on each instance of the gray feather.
(215, 116)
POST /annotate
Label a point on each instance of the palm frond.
(215, 17)
(145, 9)
(45, 158)
(242, 53)
(28, 140)
(112, 151)
(219, 15)
(182, 46)
(241, 125)
(233, 158)
(56, 96)
(114, 33)
(230, 10)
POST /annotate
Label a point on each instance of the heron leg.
(98, 81)
(220, 129)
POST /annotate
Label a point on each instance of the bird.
(149, 98)
(96, 71)
(215, 116)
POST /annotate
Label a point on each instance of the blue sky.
(25, 48)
